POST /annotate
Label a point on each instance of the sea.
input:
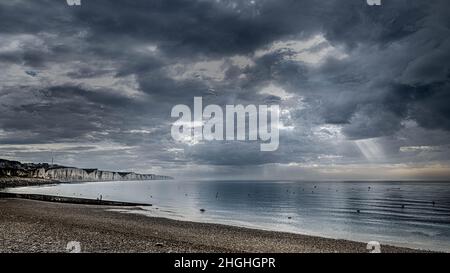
(413, 214)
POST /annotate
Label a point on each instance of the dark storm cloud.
(86, 72)
(397, 76)
(72, 113)
(395, 71)
(49, 119)
(183, 27)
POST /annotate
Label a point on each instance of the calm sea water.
(397, 213)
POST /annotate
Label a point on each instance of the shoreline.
(69, 200)
(39, 226)
(14, 182)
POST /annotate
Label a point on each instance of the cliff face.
(13, 169)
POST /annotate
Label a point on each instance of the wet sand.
(37, 226)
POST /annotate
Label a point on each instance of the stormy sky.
(363, 90)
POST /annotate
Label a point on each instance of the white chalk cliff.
(68, 174)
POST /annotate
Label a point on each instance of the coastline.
(39, 226)
(69, 200)
(14, 182)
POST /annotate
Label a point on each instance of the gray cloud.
(107, 74)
